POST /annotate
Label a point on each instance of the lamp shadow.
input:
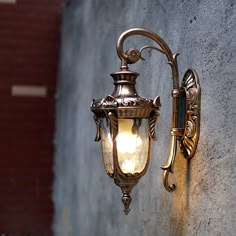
(188, 180)
(181, 197)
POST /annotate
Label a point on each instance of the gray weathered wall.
(86, 201)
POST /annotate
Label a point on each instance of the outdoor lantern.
(126, 121)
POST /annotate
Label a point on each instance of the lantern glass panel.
(107, 145)
(132, 145)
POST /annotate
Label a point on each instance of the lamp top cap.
(124, 76)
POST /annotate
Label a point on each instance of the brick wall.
(29, 43)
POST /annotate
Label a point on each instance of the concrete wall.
(87, 202)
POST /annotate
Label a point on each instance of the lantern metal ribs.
(126, 121)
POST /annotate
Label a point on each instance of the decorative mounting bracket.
(188, 135)
(189, 140)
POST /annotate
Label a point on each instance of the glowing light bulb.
(129, 145)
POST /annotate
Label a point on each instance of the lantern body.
(132, 145)
(125, 125)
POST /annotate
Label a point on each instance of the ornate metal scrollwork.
(152, 123)
(169, 187)
(97, 122)
(109, 101)
(114, 124)
(139, 101)
(189, 141)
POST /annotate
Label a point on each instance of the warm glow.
(132, 145)
(128, 166)
(129, 145)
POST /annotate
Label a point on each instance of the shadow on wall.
(189, 176)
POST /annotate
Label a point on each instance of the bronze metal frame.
(126, 103)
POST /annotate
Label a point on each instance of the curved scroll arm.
(150, 47)
(168, 167)
(168, 187)
(172, 59)
(132, 56)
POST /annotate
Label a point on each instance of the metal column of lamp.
(126, 121)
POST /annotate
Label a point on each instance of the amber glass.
(107, 145)
(132, 145)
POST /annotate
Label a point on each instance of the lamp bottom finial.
(126, 199)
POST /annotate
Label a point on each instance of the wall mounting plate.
(189, 140)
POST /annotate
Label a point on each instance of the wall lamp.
(126, 121)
